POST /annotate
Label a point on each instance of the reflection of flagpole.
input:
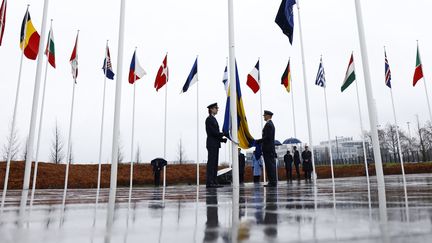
(372, 115)
(9, 155)
(102, 126)
(116, 127)
(40, 127)
(306, 95)
(261, 119)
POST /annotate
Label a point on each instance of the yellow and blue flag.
(245, 139)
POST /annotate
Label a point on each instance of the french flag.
(136, 71)
(253, 78)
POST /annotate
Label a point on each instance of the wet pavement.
(294, 212)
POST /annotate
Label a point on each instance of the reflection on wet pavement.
(293, 212)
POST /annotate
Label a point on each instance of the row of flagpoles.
(30, 43)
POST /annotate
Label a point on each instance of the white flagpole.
(314, 175)
(28, 163)
(6, 180)
(165, 131)
(197, 107)
(116, 127)
(40, 128)
(233, 100)
(425, 87)
(261, 113)
(293, 112)
(102, 126)
(372, 115)
(132, 139)
(69, 144)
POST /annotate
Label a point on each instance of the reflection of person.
(158, 165)
(256, 164)
(214, 139)
(271, 217)
(307, 163)
(211, 230)
(242, 164)
(288, 159)
(268, 148)
(258, 202)
(297, 161)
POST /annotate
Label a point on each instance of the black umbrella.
(291, 141)
(278, 143)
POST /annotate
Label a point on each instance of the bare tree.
(138, 155)
(12, 144)
(181, 156)
(57, 146)
(25, 151)
(120, 154)
(71, 154)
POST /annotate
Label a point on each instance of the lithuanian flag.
(29, 39)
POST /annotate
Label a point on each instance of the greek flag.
(320, 78)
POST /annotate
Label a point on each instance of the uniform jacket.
(268, 138)
(214, 136)
(288, 159)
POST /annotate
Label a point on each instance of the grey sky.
(189, 28)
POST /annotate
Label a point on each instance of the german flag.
(286, 78)
(29, 39)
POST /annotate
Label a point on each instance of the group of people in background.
(291, 160)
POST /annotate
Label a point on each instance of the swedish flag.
(245, 139)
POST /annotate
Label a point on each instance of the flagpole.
(261, 112)
(28, 163)
(372, 115)
(306, 95)
(9, 155)
(233, 99)
(425, 87)
(102, 125)
(400, 155)
(197, 107)
(40, 128)
(292, 104)
(132, 139)
(116, 127)
(165, 131)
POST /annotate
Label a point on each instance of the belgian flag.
(29, 39)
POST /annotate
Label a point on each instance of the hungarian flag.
(50, 49)
(74, 60)
(286, 77)
(162, 75)
(253, 78)
(350, 74)
(135, 71)
(2, 19)
(29, 39)
(418, 74)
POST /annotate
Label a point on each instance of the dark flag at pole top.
(285, 18)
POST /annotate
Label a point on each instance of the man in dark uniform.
(297, 161)
(242, 164)
(307, 163)
(288, 159)
(268, 148)
(214, 139)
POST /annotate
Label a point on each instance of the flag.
(225, 79)
(135, 71)
(50, 49)
(162, 75)
(253, 78)
(192, 78)
(418, 74)
(74, 60)
(107, 65)
(387, 71)
(285, 18)
(29, 39)
(2, 19)
(245, 139)
(286, 77)
(320, 78)
(350, 74)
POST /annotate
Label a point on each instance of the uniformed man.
(307, 163)
(242, 164)
(297, 162)
(268, 148)
(213, 143)
(288, 159)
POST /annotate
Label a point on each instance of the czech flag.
(136, 71)
(253, 78)
(29, 39)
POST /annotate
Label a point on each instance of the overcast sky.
(189, 28)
